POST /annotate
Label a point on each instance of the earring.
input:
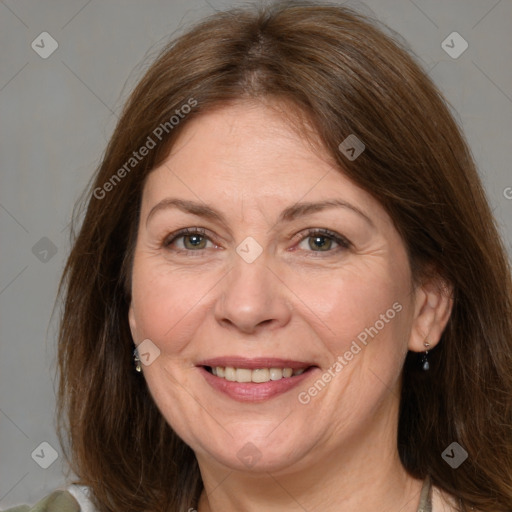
(136, 360)
(424, 360)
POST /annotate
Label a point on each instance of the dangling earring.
(424, 360)
(136, 359)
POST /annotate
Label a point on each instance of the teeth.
(243, 375)
(258, 375)
(230, 374)
(276, 373)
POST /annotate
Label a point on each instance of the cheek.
(351, 303)
(167, 305)
(362, 318)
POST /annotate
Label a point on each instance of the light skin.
(306, 298)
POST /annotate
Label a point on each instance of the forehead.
(248, 149)
(248, 134)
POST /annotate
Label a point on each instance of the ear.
(132, 321)
(433, 306)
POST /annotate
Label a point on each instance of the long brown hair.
(347, 76)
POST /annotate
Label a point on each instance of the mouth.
(254, 380)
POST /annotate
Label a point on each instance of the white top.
(81, 494)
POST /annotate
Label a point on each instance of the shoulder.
(74, 498)
(58, 501)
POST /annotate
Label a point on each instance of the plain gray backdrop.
(58, 112)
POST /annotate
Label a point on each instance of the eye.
(188, 239)
(323, 240)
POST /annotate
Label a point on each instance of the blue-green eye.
(191, 240)
(195, 241)
(322, 240)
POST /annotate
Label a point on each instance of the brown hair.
(348, 77)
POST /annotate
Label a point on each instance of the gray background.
(56, 117)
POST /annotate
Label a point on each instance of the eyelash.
(341, 241)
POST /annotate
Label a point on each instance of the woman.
(289, 230)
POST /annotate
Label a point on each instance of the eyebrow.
(300, 209)
(201, 210)
(287, 215)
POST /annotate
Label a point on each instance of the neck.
(363, 474)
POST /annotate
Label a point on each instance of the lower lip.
(252, 391)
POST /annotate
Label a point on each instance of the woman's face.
(285, 266)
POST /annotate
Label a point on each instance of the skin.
(337, 452)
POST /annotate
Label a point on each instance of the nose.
(252, 298)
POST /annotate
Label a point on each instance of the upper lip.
(254, 363)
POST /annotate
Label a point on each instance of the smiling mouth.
(256, 375)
